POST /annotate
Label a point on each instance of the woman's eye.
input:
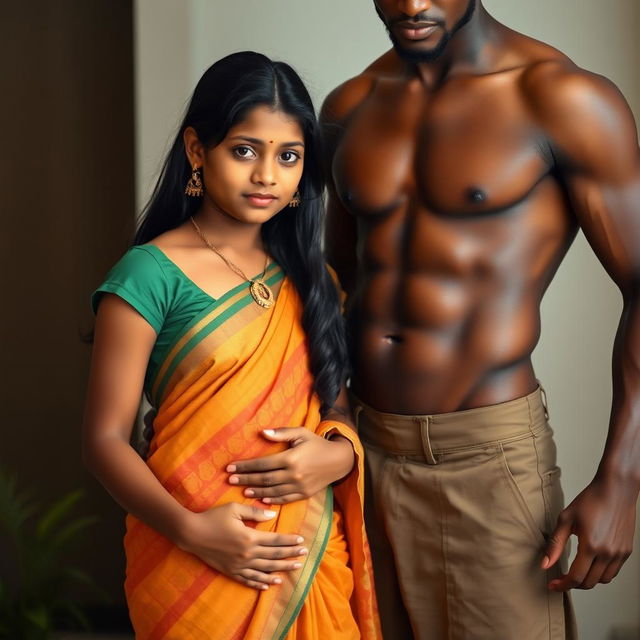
(244, 152)
(289, 157)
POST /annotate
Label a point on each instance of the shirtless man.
(464, 161)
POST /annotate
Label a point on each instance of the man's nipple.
(476, 195)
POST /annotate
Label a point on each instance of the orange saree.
(238, 369)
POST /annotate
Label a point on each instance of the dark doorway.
(67, 211)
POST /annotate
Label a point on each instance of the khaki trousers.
(458, 507)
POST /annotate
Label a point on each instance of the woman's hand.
(220, 538)
(308, 466)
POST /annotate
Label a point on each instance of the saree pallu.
(235, 370)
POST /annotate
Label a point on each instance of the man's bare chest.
(450, 153)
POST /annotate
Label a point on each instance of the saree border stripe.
(308, 572)
(222, 308)
(172, 481)
(244, 304)
(220, 483)
(233, 334)
(268, 618)
(209, 315)
(139, 571)
(291, 602)
(235, 370)
(216, 354)
(234, 292)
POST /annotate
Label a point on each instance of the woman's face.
(255, 171)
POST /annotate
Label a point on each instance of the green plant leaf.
(76, 614)
(39, 617)
(6, 609)
(68, 533)
(41, 546)
(15, 506)
(79, 576)
(57, 512)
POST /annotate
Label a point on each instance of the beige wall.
(581, 309)
(332, 40)
(162, 50)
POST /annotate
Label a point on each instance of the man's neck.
(472, 50)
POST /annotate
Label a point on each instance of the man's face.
(421, 29)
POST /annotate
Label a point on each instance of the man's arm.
(341, 240)
(594, 141)
(341, 225)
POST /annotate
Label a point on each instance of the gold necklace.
(258, 288)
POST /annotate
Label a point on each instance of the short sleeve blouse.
(159, 291)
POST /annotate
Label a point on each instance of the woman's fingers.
(269, 539)
(270, 492)
(262, 479)
(260, 586)
(269, 566)
(279, 553)
(257, 579)
(285, 499)
(261, 573)
(266, 463)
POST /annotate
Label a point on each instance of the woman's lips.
(418, 32)
(260, 200)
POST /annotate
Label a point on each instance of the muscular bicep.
(609, 215)
(340, 224)
(594, 138)
(123, 341)
(341, 241)
(340, 227)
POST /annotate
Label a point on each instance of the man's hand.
(603, 518)
(308, 466)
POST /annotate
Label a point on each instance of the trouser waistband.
(427, 435)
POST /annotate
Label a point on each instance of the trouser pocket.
(529, 467)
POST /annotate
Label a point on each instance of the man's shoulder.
(584, 115)
(560, 93)
(553, 83)
(342, 101)
(549, 79)
(345, 98)
(548, 74)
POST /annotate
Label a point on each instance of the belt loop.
(426, 442)
(543, 395)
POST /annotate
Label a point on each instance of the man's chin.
(416, 55)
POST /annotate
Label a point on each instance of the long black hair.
(225, 94)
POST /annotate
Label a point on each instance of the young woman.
(246, 517)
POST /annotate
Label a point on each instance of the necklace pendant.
(261, 293)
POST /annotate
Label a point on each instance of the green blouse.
(159, 291)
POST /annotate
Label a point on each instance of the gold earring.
(295, 201)
(194, 186)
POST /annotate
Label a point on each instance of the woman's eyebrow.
(257, 141)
